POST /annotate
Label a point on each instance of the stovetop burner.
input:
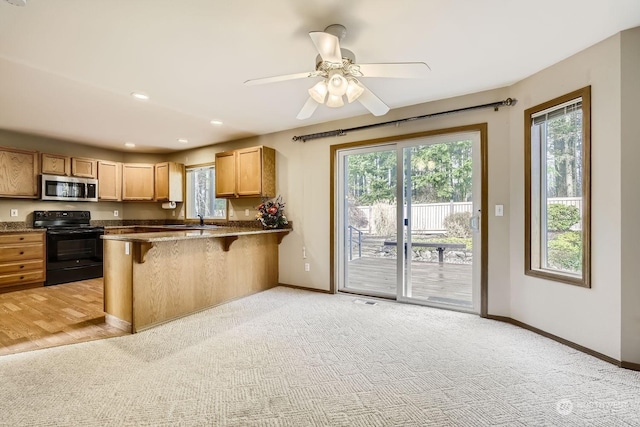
(62, 220)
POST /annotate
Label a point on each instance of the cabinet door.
(55, 164)
(226, 174)
(86, 168)
(137, 181)
(109, 180)
(249, 171)
(162, 181)
(19, 171)
(169, 181)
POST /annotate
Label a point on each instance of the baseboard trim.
(604, 357)
(322, 291)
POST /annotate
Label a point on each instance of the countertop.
(22, 230)
(191, 233)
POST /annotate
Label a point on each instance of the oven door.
(73, 255)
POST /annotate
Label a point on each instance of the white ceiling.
(67, 67)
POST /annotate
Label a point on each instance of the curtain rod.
(509, 102)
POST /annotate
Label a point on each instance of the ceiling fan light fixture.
(337, 83)
(319, 92)
(354, 90)
(335, 101)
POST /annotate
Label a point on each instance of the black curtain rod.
(509, 102)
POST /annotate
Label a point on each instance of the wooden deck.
(444, 283)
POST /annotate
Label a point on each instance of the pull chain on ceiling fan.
(339, 72)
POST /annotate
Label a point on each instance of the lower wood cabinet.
(22, 260)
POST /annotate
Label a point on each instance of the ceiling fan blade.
(307, 109)
(278, 78)
(328, 46)
(404, 70)
(373, 103)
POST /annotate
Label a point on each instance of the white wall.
(588, 317)
(630, 155)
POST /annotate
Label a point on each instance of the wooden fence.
(429, 217)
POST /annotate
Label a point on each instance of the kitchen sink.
(193, 226)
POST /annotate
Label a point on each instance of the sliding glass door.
(425, 248)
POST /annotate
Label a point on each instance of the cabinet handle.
(22, 238)
(21, 277)
(21, 252)
(22, 266)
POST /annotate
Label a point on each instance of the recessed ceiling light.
(216, 122)
(182, 140)
(140, 96)
(17, 2)
(129, 144)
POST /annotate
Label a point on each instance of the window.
(201, 193)
(557, 189)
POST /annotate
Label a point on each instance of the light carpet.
(288, 357)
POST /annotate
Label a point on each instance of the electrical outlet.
(14, 212)
(116, 213)
(230, 212)
(499, 210)
(307, 266)
(246, 212)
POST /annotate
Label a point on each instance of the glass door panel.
(440, 203)
(367, 265)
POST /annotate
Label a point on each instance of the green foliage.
(439, 173)
(565, 251)
(561, 217)
(457, 225)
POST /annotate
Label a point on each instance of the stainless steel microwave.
(69, 188)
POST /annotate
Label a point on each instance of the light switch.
(14, 212)
(499, 210)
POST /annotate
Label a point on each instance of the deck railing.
(351, 230)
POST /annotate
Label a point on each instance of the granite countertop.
(191, 233)
(22, 230)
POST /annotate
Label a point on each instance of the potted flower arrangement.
(271, 213)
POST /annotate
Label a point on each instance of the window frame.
(189, 194)
(533, 243)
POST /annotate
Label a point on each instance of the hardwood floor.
(54, 315)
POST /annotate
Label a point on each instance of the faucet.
(201, 219)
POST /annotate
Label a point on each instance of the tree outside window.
(557, 176)
(201, 200)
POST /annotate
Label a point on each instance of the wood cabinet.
(109, 180)
(138, 181)
(248, 172)
(226, 174)
(18, 173)
(22, 260)
(55, 164)
(169, 182)
(86, 168)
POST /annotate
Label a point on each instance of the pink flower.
(272, 210)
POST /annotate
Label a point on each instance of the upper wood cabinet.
(55, 164)
(86, 168)
(109, 180)
(18, 173)
(169, 181)
(248, 172)
(226, 174)
(138, 181)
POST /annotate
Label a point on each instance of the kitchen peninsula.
(153, 277)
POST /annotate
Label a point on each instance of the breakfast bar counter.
(154, 277)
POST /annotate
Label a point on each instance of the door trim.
(484, 203)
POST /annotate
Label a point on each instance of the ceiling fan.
(339, 72)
